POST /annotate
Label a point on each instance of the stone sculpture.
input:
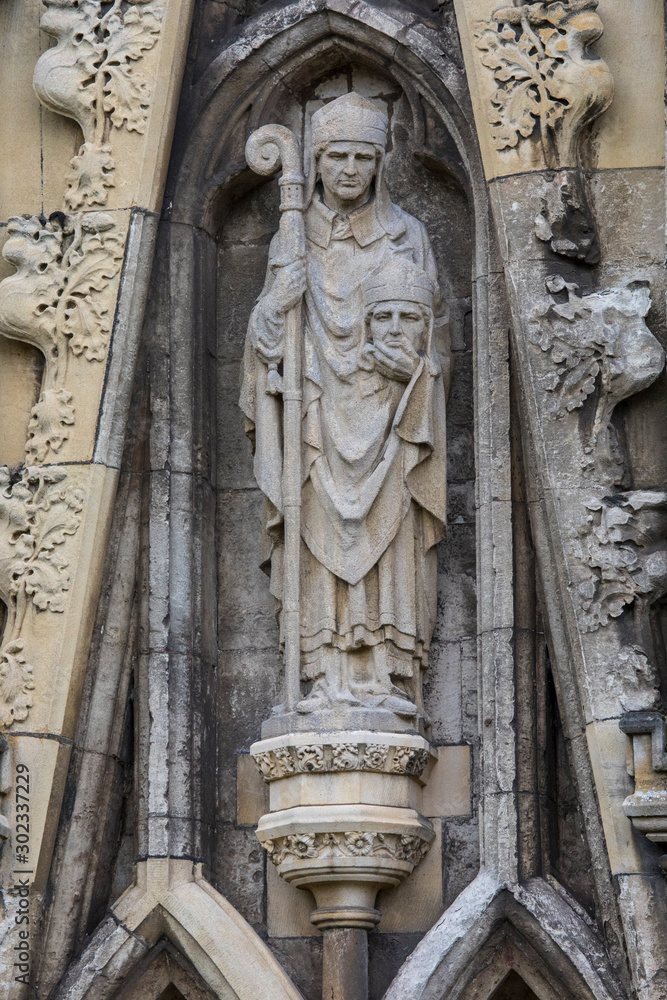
(549, 85)
(372, 427)
(90, 75)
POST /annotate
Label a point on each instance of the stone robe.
(373, 453)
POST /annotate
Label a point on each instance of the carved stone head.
(398, 303)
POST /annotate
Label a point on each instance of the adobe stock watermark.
(22, 872)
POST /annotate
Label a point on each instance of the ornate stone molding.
(330, 828)
(549, 86)
(90, 75)
(37, 515)
(597, 343)
(351, 844)
(548, 82)
(623, 549)
(60, 300)
(281, 761)
(345, 868)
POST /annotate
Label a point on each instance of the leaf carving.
(126, 92)
(50, 511)
(16, 684)
(87, 319)
(90, 176)
(99, 46)
(534, 53)
(49, 421)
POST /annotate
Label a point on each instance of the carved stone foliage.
(284, 761)
(92, 76)
(548, 86)
(599, 346)
(622, 546)
(61, 300)
(37, 515)
(353, 844)
(548, 82)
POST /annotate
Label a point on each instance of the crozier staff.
(373, 426)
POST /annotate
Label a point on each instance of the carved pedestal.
(345, 817)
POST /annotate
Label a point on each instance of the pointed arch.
(489, 930)
(164, 975)
(173, 902)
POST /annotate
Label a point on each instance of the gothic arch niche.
(164, 975)
(249, 665)
(222, 219)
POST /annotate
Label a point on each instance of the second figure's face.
(347, 169)
(390, 322)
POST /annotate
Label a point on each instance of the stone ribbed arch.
(489, 931)
(285, 49)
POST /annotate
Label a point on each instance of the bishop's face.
(347, 170)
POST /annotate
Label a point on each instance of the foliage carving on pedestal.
(283, 761)
(352, 844)
(92, 76)
(61, 301)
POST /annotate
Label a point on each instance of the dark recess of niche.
(3, 619)
(171, 993)
(513, 988)
(569, 856)
(659, 630)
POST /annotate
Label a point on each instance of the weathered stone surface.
(549, 620)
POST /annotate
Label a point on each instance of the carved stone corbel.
(344, 853)
(549, 86)
(647, 807)
(90, 75)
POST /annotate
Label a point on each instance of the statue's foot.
(312, 703)
(400, 706)
(316, 701)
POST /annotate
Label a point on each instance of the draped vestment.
(373, 451)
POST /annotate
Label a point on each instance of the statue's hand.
(396, 360)
(289, 286)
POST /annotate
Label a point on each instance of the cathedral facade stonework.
(333, 500)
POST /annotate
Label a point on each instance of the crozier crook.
(267, 149)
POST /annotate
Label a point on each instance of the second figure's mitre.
(398, 280)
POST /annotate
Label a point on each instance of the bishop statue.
(373, 442)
